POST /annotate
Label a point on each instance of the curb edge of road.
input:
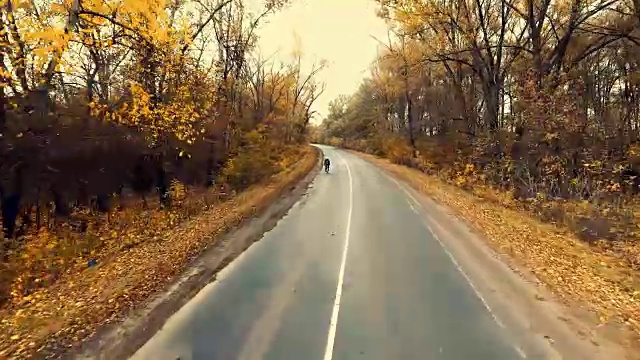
(122, 339)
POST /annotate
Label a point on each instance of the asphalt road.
(352, 272)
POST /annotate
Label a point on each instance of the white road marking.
(416, 202)
(331, 337)
(457, 265)
(455, 262)
(520, 352)
(411, 206)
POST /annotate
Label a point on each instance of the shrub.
(252, 164)
(397, 150)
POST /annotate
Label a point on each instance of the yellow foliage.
(633, 150)
(252, 164)
(469, 169)
(334, 141)
(177, 191)
(397, 150)
(460, 180)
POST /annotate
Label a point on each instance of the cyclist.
(327, 163)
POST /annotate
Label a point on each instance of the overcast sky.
(338, 31)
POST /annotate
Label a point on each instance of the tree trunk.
(491, 97)
(410, 122)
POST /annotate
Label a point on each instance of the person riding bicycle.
(327, 163)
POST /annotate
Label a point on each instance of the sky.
(338, 31)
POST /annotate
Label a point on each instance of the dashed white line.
(409, 194)
(520, 352)
(416, 202)
(411, 206)
(455, 262)
(331, 337)
(457, 265)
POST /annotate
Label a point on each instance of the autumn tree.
(105, 102)
(534, 93)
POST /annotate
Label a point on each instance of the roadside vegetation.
(509, 108)
(132, 133)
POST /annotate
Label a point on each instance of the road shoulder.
(508, 258)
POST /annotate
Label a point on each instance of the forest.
(537, 100)
(121, 119)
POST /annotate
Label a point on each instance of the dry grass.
(599, 278)
(78, 303)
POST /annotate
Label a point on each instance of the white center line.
(333, 325)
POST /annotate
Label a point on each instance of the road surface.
(352, 272)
